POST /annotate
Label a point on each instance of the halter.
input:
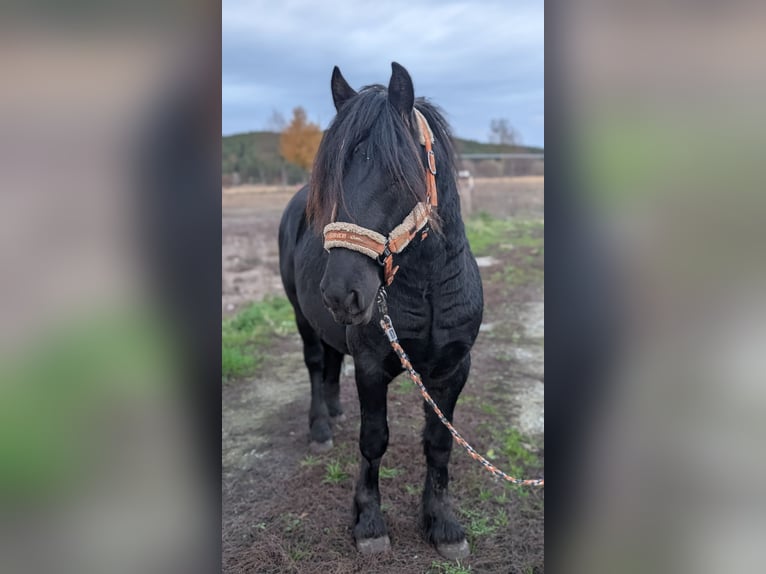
(381, 248)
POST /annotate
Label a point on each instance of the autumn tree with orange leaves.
(299, 141)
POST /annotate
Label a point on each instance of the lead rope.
(388, 329)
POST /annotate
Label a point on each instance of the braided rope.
(388, 328)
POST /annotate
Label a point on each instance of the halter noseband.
(373, 244)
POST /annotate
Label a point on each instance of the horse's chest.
(439, 332)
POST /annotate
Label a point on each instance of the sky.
(476, 60)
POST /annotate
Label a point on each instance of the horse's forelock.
(368, 115)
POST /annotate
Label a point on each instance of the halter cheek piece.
(373, 244)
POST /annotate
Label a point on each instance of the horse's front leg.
(370, 530)
(440, 526)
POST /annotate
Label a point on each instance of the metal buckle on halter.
(431, 162)
(383, 256)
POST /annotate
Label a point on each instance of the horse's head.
(368, 172)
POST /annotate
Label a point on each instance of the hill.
(255, 157)
(473, 146)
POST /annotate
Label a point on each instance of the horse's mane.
(368, 115)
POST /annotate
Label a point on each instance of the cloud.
(477, 61)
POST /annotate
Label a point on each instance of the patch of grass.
(502, 498)
(479, 523)
(519, 276)
(515, 449)
(484, 232)
(310, 460)
(484, 494)
(292, 521)
(501, 518)
(468, 399)
(480, 526)
(411, 489)
(489, 409)
(334, 473)
(386, 472)
(298, 553)
(245, 336)
(236, 362)
(404, 386)
(448, 568)
(59, 391)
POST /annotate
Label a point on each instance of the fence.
(503, 164)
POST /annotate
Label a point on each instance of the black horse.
(370, 171)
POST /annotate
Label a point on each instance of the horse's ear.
(341, 91)
(401, 94)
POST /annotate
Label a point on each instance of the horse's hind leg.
(333, 361)
(441, 528)
(313, 355)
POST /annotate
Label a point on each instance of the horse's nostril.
(329, 301)
(352, 301)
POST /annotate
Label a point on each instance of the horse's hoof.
(454, 550)
(373, 545)
(339, 419)
(317, 447)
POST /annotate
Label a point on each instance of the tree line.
(283, 154)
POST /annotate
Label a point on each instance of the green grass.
(480, 526)
(502, 498)
(309, 460)
(484, 494)
(56, 392)
(245, 337)
(334, 473)
(386, 472)
(485, 232)
(513, 447)
(292, 522)
(520, 461)
(501, 518)
(411, 489)
(448, 568)
(403, 386)
(518, 276)
(489, 409)
(298, 553)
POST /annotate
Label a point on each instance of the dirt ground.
(283, 508)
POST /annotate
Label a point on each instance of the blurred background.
(664, 131)
(109, 127)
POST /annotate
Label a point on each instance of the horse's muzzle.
(346, 307)
(344, 318)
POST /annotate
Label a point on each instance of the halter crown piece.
(373, 244)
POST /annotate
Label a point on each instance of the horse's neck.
(453, 229)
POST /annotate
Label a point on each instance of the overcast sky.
(477, 60)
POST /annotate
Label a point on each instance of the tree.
(276, 122)
(299, 141)
(502, 132)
